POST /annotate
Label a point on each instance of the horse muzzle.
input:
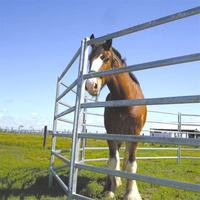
(93, 87)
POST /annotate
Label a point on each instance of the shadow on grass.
(40, 189)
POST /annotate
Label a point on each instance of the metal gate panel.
(81, 105)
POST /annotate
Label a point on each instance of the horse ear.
(108, 44)
(92, 37)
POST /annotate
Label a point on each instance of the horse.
(127, 120)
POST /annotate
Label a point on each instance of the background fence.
(31, 131)
(81, 106)
(20, 130)
(170, 130)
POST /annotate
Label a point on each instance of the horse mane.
(123, 60)
(98, 49)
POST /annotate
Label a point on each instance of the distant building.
(171, 130)
(160, 133)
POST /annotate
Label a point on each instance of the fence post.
(45, 137)
(73, 174)
(179, 136)
(83, 144)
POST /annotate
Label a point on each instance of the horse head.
(101, 59)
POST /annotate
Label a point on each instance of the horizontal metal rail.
(171, 113)
(134, 138)
(139, 148)
(59, 180)
(69, 135)
(139, 177)
(190, 115)
(183, 157)
(64, 104)
(159, 122)
(69, 89)
(144, 139)
(64, 84)
(138, 158)
(152, 101)
(95, 125)
(70, 63)
(98, 148)
(63, 151)
(65, 160)
(189, 124)
(97, 114)
(142, 148)
(148, 65)
(163, 20)
(80, 197)
(66, 120)
(142, 158)
(65, 112)
(185, 149)
(60, 167)
(154, 111)
(171, 131)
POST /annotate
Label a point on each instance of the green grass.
(24, 168)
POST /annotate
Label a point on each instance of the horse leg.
(113, 163)
(126, 157)
(131, 166)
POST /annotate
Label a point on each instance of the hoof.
(133, 197)
(118, 181)
(109, 195)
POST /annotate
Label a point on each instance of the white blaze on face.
(96, 64)
(93, 85)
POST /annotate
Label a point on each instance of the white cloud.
(3, 110)
(7, 121)
(34, 113)
(36, 122)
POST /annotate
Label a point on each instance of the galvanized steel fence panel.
(80, 114)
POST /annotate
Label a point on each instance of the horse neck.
(122, 86)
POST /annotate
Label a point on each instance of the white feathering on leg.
(114, 163)
(132, 192)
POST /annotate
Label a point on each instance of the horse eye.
(102, 57)
(106, 60)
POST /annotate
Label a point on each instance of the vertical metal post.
(45, 137)
(77, 127)
(84, 131)
(179, 136)
(53, 143)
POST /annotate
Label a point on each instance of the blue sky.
(39, 38)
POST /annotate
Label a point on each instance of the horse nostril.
(95, 86)
(86, 87)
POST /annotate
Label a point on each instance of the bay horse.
(127, 120)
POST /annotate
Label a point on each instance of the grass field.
(24, 168)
